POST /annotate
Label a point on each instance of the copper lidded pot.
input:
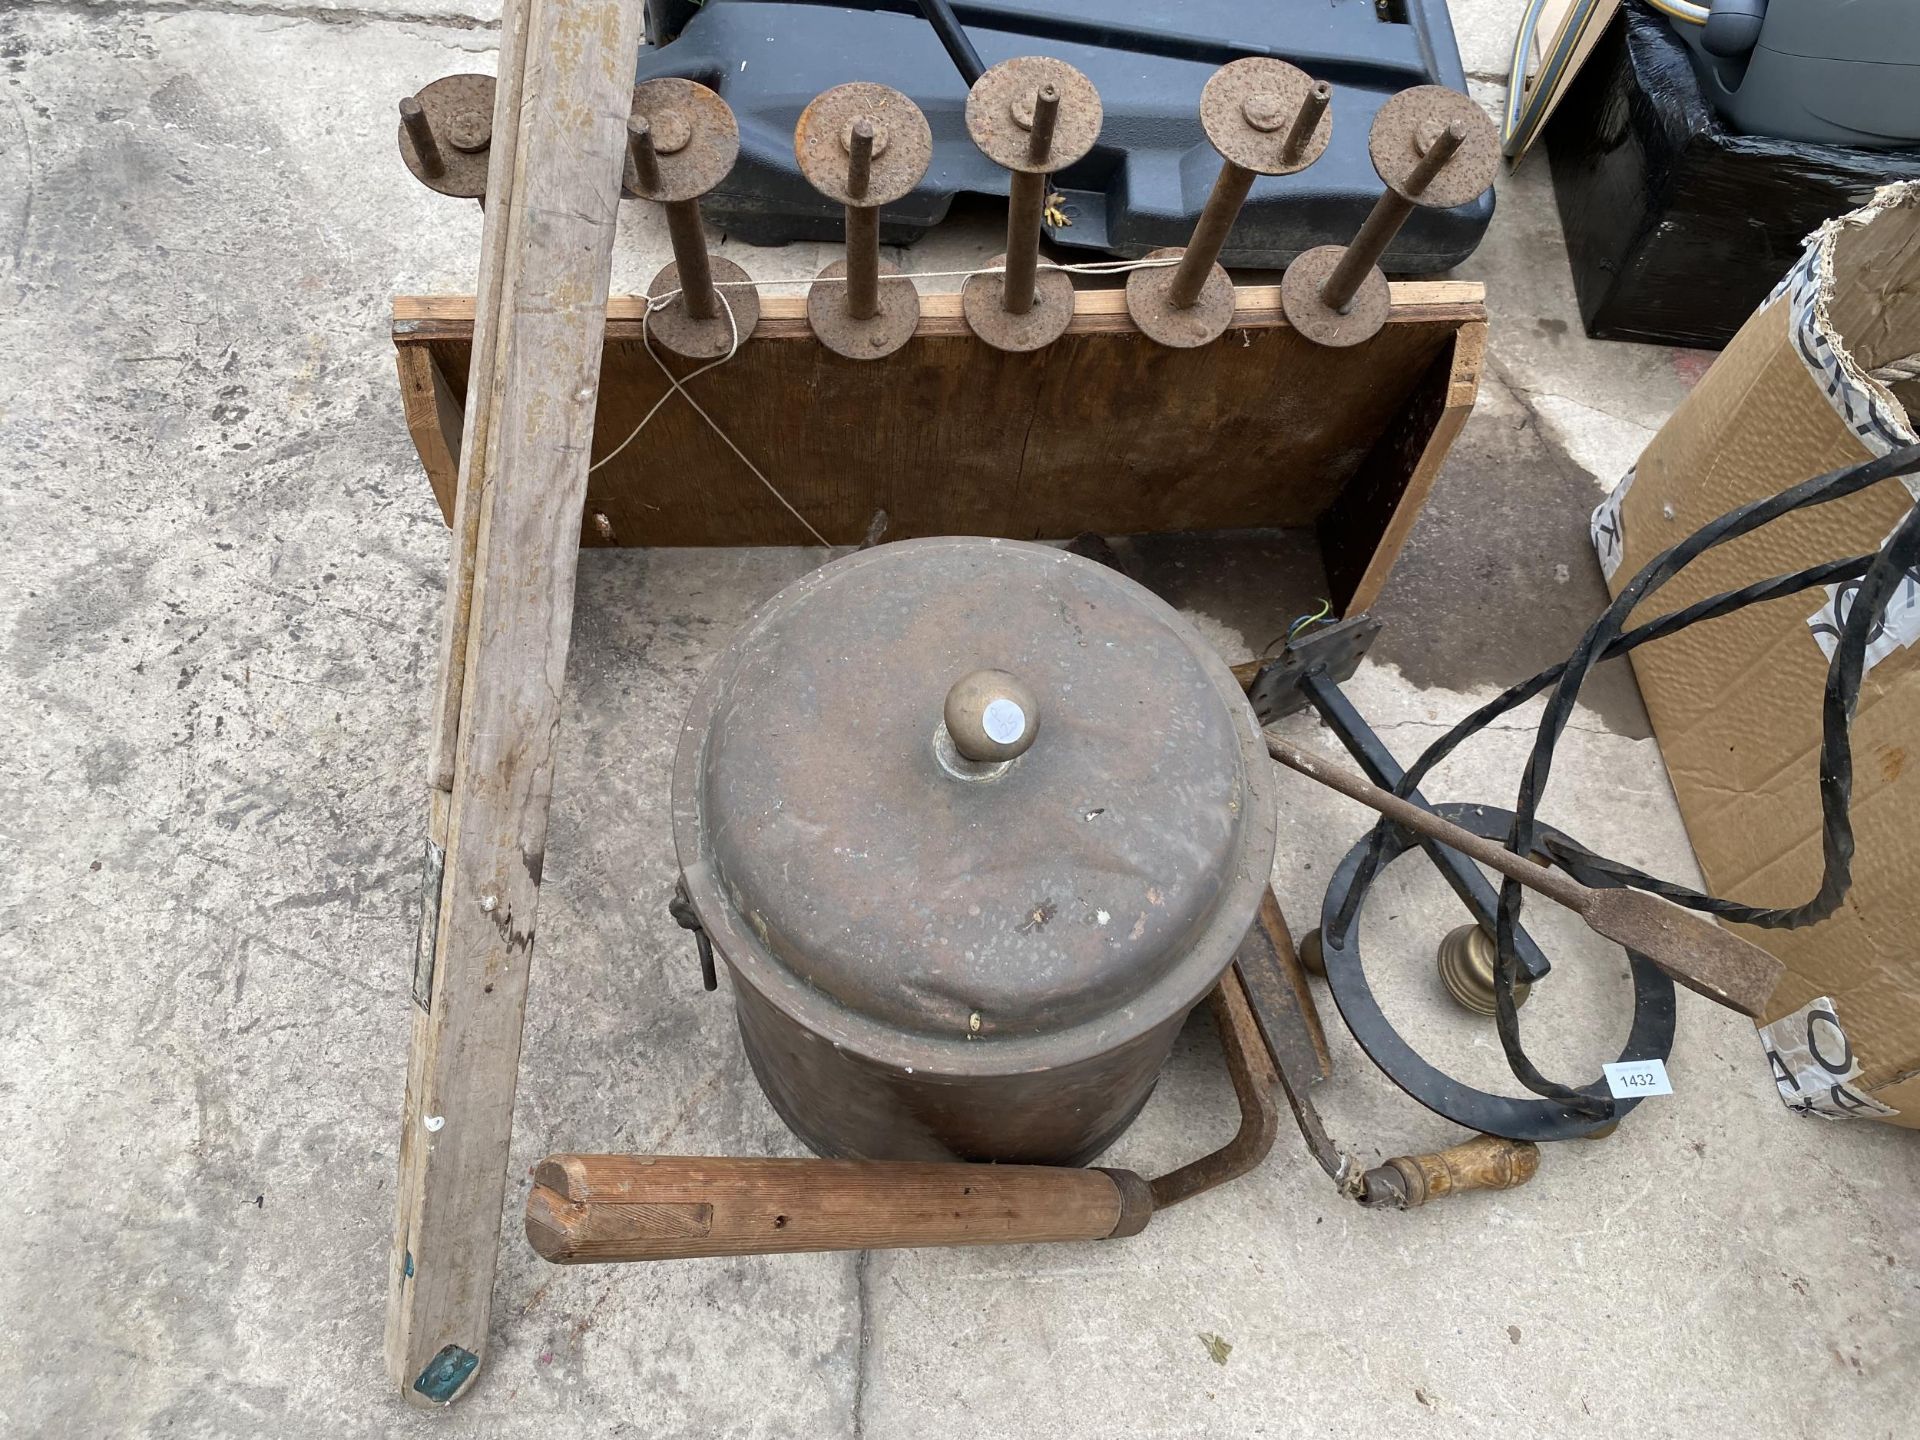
(974, 824)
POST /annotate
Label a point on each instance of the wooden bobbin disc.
(1201, 323)
(1300, 297)
(460, 110)
(983, 306)
(673, 329)
(835, 327)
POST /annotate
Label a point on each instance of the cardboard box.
(1736, 702)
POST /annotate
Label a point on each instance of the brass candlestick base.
(1466, 969)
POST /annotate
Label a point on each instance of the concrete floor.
(219, 597)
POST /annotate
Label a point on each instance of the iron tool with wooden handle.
(588, 1209)
(1692, 949)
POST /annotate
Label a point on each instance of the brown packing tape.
(1736, 703)
(1903, 1095)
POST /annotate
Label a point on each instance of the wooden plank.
(1103, 430)
(590, 1209)
(420, 318)
(433, 418)
(560, 125)
(1364, 531)
(498, 237)
(406, 1301)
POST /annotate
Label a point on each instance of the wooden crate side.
(421, 318)
(1363, 532)
(1103, 430)
(1259, 430)
(434, 421)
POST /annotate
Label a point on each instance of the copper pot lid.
(973, 790)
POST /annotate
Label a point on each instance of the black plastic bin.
(1146, 178)
(1677, 228)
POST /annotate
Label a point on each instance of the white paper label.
(1814, 1066)
(1895, 630)
(1632, 1079)
(1004, 721)
(1609, 541)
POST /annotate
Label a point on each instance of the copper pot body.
(936, 959)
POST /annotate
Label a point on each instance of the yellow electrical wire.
(1681, 10)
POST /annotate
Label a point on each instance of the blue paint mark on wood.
(446, 1373)
(409, 1264)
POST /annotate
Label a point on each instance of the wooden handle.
(587, 1209)
(1485, 1162)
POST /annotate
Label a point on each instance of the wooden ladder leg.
(566, 82)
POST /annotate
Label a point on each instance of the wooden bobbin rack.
(1026, 406)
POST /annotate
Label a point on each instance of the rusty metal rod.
(1306, 121)
(420, 130)
(646, 160)
(1250, 1066)
(1026, 206)
(1026, 198)
(1383, 222)
(690, 254)
(863, 261)
(860, 157)
(863, 226)
(1229, 193)
(1436, 157)
(1046, 112)
(1692, 949)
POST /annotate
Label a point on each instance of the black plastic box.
(1144, 182)
(1677, 228)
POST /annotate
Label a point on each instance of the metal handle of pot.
(592, 1209)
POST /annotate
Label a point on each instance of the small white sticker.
(1609, 539)
(1631, 1079)
(1004, 721)
(1814, 1066)
(1898, 628)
